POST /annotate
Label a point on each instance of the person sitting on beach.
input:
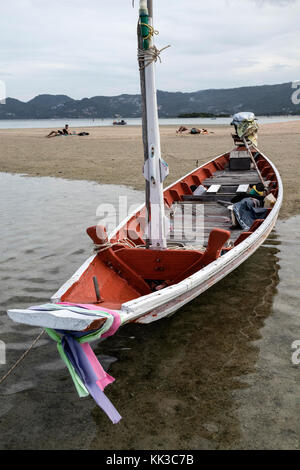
(64, 131)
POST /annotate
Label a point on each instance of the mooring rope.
(22, 357)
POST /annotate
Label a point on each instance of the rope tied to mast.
(150, 55)
(151, 30)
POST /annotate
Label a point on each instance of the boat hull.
(129, 297)
(157, 305)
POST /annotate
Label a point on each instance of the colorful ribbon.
(88, 375)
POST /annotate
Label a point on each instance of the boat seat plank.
(238, 177)
(233, 181)
(222, 185)
(214, 188)
(209, 197)
(243, 188)
(159, 265)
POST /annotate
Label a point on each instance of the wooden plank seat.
(172, 265)
(214, 188)
(242, 188)
(209, 197)
(236, 177)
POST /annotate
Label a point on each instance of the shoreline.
(114, 155)
(134, 122)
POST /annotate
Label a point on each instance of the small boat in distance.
(119, 121)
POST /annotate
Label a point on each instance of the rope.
(253, 161)
(107, 245)
(150, 55)
(152, 31)
(22, 357)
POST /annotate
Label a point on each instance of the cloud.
(276, 3)
(87, 49)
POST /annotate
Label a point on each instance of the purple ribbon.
(86, 372)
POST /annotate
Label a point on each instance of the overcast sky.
(88, 48)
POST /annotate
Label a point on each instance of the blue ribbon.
(85, 370)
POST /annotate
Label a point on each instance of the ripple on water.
(23, 346)
(34, 280)
(16, 387)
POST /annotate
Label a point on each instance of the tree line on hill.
(262, 100)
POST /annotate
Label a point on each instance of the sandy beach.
(115, 155)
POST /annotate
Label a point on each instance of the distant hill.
(262, 100)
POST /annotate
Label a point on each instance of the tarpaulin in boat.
(247, 211)
(246, 126)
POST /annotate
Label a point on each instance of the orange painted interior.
(124, 273)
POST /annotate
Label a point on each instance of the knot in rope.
(150, 55)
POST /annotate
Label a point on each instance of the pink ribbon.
(104, 379)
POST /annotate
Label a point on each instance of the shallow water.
(216, 375)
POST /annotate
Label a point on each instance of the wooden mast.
(144, 123)
(155, 170)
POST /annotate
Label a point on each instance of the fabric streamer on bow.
(87, 373)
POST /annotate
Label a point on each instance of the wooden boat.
(146, 285)
(142, 271)
(173, 248)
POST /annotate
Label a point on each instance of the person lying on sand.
(182, 130)
(64, 131)
(194, 130)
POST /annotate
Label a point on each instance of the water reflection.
(175, 385)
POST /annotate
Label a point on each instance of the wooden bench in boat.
(216, 191)
(213, 189)
(243, 188)
(137, 266)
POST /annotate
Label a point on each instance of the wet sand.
(115, 155)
